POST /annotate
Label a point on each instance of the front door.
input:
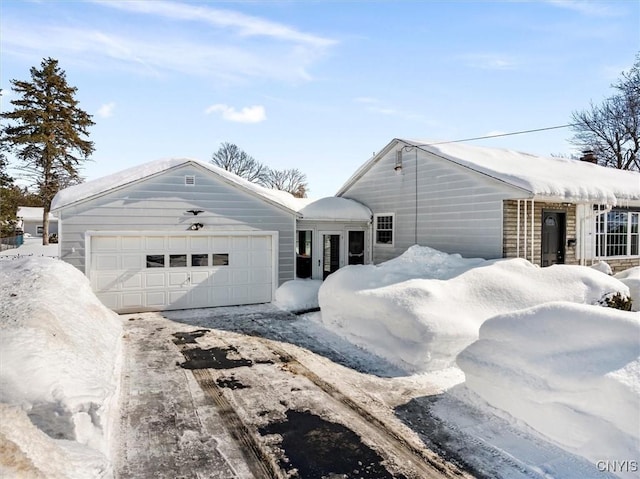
(330, 253)
(356, 247)
(553, 237)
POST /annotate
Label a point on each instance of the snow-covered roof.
(99, 186)
(336, 209)
(32, 213)
(541, 177)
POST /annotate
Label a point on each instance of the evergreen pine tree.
(47, 132)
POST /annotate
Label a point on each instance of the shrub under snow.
(424, 307)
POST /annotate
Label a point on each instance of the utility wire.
(522, 132)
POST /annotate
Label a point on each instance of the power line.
(521, 132)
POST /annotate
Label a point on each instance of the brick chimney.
(589, 156)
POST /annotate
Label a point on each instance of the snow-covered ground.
(536, 345)
(59, 353)
(548, 371)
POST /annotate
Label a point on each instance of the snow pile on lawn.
(421, 309)
(298, 295)
(631, 277)
(59, 350)
(570, 371)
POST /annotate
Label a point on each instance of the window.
(384, 229)
(617, 233)
(39, 230)
(177, 260)
(200, 260)
(155, 261)
(220, 259)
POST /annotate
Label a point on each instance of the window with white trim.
(617, 233)
(384, 229)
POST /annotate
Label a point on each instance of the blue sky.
(320, 85)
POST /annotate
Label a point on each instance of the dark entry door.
(330, 254)
(356, 247)
(553, 238)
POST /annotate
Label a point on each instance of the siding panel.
(458, 210)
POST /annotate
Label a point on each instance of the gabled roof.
(539, 177)
(100, 186)
(33, 213)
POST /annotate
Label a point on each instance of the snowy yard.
(494, 368)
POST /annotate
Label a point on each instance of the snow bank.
(59, 351)
(421, 309)
(570, 371)
(631, 277)
(298, 295)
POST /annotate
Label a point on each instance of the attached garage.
(177, 234)
(159, 271)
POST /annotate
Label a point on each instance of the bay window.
(617, 233)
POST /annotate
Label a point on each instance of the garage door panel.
(260, 243)
(199, 277)
(221, 244)
(132, 282)
(259, 259)
(240, 276)
(199, 243)
(220, 276)
(107, 281)
(178, 278)
(105, 244)
(197, 271)
(130, 300)
(156, 299)
(155, 243)
(107, 262)
(239, 259)
(131, 243)
(260, 276)
(155, 280)
(177, 243)
(240, 243)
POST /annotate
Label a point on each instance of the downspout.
(518, 231)
(533, 214)
(525, 230)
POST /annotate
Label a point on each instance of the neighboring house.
(181, 233)
(30, 220)
(495, 203)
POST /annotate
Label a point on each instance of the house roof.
(539, 177)
(335, 209)
(90, 189)
(32, 213)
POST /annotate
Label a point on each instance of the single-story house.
(181, 233)
(497, 203)
(30, 220)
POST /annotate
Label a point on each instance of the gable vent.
(189, 180)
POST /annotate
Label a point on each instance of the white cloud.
(237, 48)
(248, 114)
(245, 25)
(106, 110)
(490, 61)
(587, 7)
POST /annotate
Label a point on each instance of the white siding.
(458, 210)
(160, 203)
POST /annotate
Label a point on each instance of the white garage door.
(154, 272)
